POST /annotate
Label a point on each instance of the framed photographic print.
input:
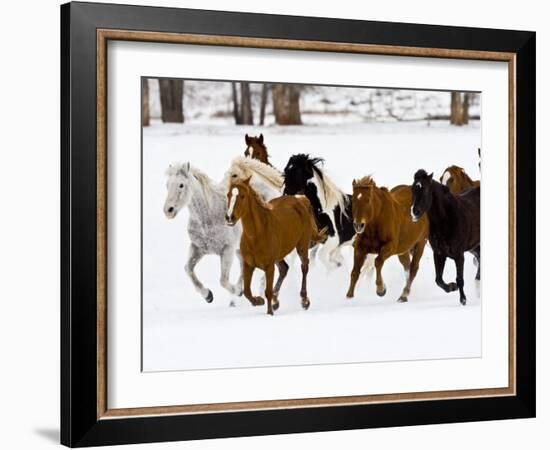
(275, 224)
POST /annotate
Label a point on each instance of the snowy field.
(182, 332)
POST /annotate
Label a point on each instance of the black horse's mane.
(305, 159)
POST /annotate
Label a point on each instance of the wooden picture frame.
(85, 417)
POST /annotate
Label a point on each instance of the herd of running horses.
(261, 215)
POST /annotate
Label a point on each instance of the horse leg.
(459, 262)
(303, 253)
(405, 261)
(313, 253)
(439, 263)
(247, 278)
(269, 274)
(477, 254)
(195, 255)
(359, 256)
(326, 251)
(239, 283)
(335, 257)
(380, 285)
(226, 260)
(416, 252)
(368, 267)
(283, 270)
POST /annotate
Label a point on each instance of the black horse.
(454, 226)
(303, 175)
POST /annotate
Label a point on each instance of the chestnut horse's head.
(255, 148)
(456, 179)
(236, 199)
(421, 194)
(363, 203)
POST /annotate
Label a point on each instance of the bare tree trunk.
(286, 104)
(246, 104)
(456, 109)
(236, 111)
(171, 100)
(465, 108)
(145, 118)
(263, 103)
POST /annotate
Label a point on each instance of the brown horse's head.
(236, 200)
(456, 179)
(363, 203)
(255, 148)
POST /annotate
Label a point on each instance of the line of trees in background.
(285, 102)
(285, 99)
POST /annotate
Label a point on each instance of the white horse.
(187, 186)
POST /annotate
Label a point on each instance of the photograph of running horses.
(287, 224)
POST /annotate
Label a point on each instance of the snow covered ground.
(181, 331)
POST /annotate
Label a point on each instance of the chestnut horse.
(382, 221)
(270, 232)
(457, 180)
(256, 149)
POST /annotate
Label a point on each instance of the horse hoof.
(258, 301)
(209, 297)
(463, 301)
(305, 303)
(402, 299)
(269, 313)
(232, 303)
(381, 293)
(349, 295)
(452, 287)
(275, 304)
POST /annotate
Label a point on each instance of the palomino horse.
(383, 225)
(270, 232)
(454, 225)
(256, 149)
(264, 179)
(187, 186)
(457, 180)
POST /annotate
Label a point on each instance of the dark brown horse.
(256, 149)
(382, 221)
(454, 226)
(457, 180)
(270, 232)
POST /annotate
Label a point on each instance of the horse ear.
(354, 182)
(184, 169)
(261, 138)
(430, 176)
(246, 139)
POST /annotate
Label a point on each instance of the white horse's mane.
(264, 172)
(206, 186)
(333, 195)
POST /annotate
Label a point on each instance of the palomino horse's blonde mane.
(267, 174)
(250, 189)
(207, 187)
(333, 196)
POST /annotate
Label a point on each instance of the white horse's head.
(178, 187)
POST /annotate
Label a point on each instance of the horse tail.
(316, 234)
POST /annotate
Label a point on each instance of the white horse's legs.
(226, 260)
(325, 252)
(368, 268)
(195, 255)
